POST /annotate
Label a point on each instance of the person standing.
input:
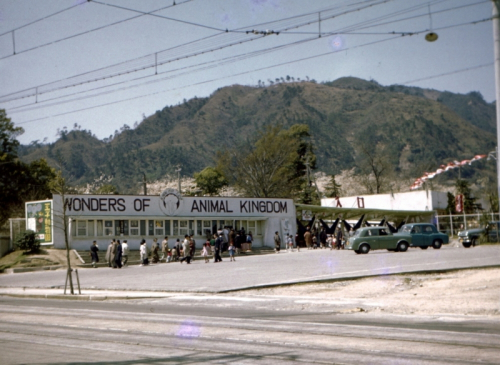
(277, 242)
(339, 238)
(112, 256)
(186, 250)
(204, 251)
(125, 252)
(164, 248)
(249, 240)
(322, 238)
(289, 242)
(108, 253)
(308, 238)
(218, 246)
(212, 244)
(118, 255)
(192, 247)
(93, 253)
(237, 243)
(144, 253)
(155, 257)
(231, 250)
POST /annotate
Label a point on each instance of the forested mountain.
(419, 129)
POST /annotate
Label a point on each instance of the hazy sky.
(103, 64)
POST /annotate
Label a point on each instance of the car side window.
(415, 229)
(428, 229)
(383, 232)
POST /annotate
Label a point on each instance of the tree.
(463, 187)
(272, 166)
(264, 169)
(107, 189)
(19, 182)
(332, 189)
(210, 181)
(375, 167)
(58, 186)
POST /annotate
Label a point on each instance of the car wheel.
(436, 244)
(364, 249)
(424, 247)
(402, 247)
(466, 244)
(357, 251)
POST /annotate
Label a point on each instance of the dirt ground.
(464, 292)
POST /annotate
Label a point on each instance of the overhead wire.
(85, 32)
(145, 62)
(200, 67)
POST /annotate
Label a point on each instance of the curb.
(31, 269)
(87, 297)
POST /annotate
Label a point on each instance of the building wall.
(90, 214)
(414, 200)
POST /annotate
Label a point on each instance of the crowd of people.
(226, 239)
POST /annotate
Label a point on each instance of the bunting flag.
(443, 168)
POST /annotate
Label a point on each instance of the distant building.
(414, 200)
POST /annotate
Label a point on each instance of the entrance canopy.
(332, 213)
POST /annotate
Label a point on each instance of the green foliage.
(463, 187)
(28, 242)
(107, 189)
(266, 168)
(450, 208)
(19, 182)
(332, 189)
(210, 181)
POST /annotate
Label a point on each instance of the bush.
(28, 242)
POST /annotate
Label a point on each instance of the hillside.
(419, 128)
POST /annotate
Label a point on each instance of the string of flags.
(451, 165)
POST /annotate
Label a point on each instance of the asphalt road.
(263, 270)
(72, 332)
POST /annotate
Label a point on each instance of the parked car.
(377, 238)
(470, 237)
(424, 235)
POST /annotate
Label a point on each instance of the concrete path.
(251, 272)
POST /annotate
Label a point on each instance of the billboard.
(39, 220)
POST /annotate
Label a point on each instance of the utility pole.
(496, 44)
(144, 184)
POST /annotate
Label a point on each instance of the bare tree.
(376, 168)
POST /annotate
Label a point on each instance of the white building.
(414, 200)
(134, 217)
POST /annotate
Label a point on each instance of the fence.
(452, 224)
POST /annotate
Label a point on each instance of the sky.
(103, 64)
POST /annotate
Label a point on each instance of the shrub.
(28, 242)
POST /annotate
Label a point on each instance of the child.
(204, 251)
(289, 242)
(231, 252)
(169, 255)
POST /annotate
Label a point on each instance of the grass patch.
(10, 260)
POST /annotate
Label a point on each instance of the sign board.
(39, 220)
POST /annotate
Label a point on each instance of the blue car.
(425, 235)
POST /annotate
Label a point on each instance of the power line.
(145, 62)
(86, 32)
(39, 20)
(159, 16)
(448, 73)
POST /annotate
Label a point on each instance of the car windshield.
(406, 229)
(356, 233)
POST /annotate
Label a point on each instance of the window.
(167, 228)
(108, 228)
(151, 228)
(199, 230)
(158, 228)
(183, 228)
(176, 228)
(81, 228)
(143, 227)
(121, 228)
(428, 229)
(134, 228)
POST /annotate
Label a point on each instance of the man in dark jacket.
(118, 255)
(218, 246)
